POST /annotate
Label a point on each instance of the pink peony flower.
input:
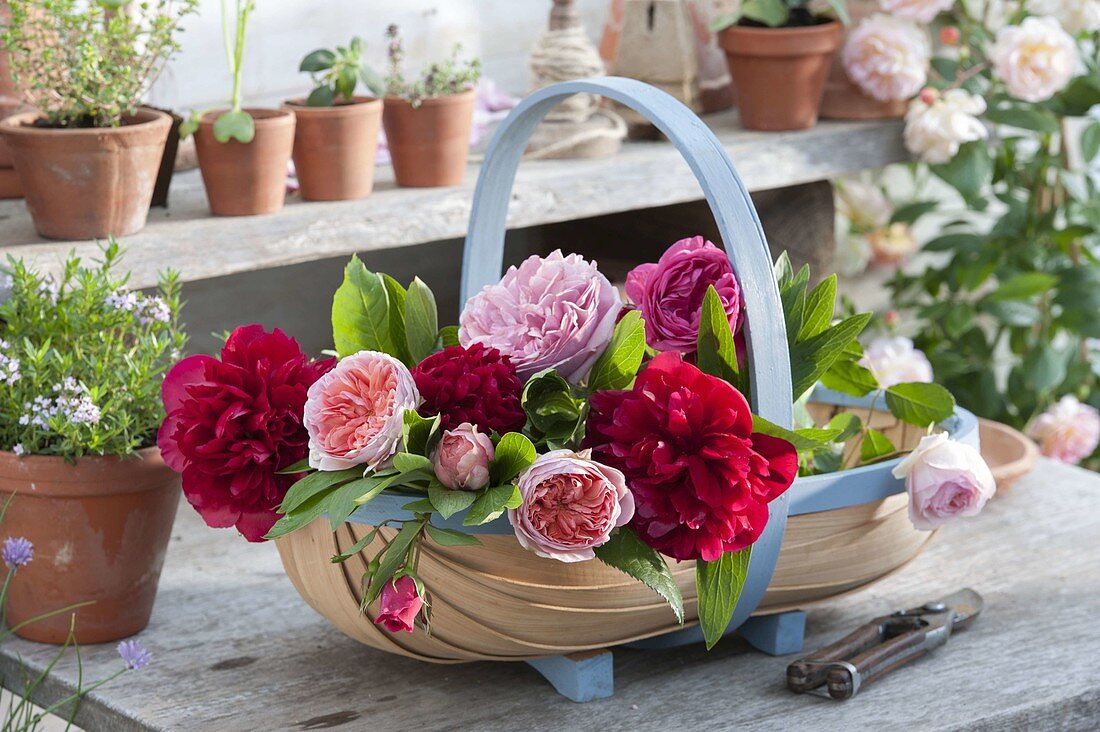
(555, 312)
(571, 504)
(918, 11)
(945, 480)
(354, 414)
(462, 457)
(398, 605)
(1068, 431)
(887, 57)
(894, 360)
(670, 293)
(1035, 59)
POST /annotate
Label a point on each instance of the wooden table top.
(236, 649)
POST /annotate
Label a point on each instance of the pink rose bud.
(462, 458)
(945, 480)
(928, 95)
(398, 605)
(949, 35)
(893, 318)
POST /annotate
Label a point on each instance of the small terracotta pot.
(844, 100)
(429, 144)
(1009, 453)
(246, 179)
(100, 529)
(335, 147)
(87, 183)
(779, 73)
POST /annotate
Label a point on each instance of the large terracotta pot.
(100, 529)
(246, 179)
(87, 183)
(335, 147)
(779, 73)
(429, 144)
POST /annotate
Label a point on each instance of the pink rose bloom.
(398, 605)
(1069, 431)
(558, 312)
(354, 414)
(893, 360)
(918, 11)
(1035, 59)
(571, 504)
(945, 480)
(670, 293)
(887, 57)
(462, 457)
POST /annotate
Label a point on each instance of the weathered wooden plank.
(643, 175)
(235, 648)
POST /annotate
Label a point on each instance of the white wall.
(282, 31)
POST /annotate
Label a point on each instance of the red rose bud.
(949, 35)
(893, 319)
(398, 605)
(928, 95)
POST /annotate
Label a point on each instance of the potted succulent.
(87, 159)
(336, 135)
(81, 363)
(779, 53)
(428, 121)
(243, 152)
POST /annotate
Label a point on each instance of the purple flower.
(17, 552)
(134, 654)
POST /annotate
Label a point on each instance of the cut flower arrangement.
(605, 432)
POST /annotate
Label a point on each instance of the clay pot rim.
(93, 475)
(17, 125)
(357, 105)
(798, 41)
(436, 101)
(261, 116)
(141, 454)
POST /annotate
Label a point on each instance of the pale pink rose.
(558, 312)
(1068, 431)
(571, 504)
(887, 57)
(354, 414)
(1035, 59)
(1076, 16)
(892, 245)
(945, 480)
(936, 125)
(893, 360)
(918, 11)
(864, 205)
(462, 457)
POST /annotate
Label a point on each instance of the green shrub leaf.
(421, 320)
(719, 584)
(716, 352)
(920, 404)
(361, 312)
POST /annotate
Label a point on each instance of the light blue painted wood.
(777, 634)
(581, 680)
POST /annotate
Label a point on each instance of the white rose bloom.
(894, 360)
(935, 131)
(1035, 59)
(887, 57)
(863, 204)
(1076, 16)
(918, 11)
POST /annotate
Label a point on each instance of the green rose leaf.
(397, 296)
(514, 453)
(344, 500)
(361, 312)
(355, 548)
(448, 502)
(847, 424)
(969, 171)
(419, 432)
(1090, 142)
(450, 537)
(421, 320)
(909, 213)
(491, 503)
(315, 483)
(1025, 118)
(813, 357)
(875, 446)
(1024, 286)
(234, 126)
(408, 462)
(719, 584)
(630, 555)
(448, 335)
(554, 414)
(716, 352)
(395, 555)
(618, 364)
(804, 440)
(817, 313)
(920, 404)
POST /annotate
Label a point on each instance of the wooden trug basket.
(498, 601)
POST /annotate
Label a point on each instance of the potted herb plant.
(336, 135)
(87, 159)
(779, 53)
(243, 152)
(81, 363)
(428, 120)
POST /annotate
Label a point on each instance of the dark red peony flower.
(231, 424)
(474, 384)
(701, 479)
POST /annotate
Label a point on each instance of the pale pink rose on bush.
(1076, 16)
(1068, 431)
(670, 293)
(892, 245)
(462, 457)
(894, 360)
(558, 312)
(887, 57)
(936, 126)
(918, 11)
(945, 480)
(864, 205)
(354, 414)
(571, 504)
(1035, 59)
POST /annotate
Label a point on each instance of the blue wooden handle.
(742, 236)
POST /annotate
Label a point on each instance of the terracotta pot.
(167, 161)
(780, 73)
(246, 179)
(1009, 453)
(87, 183)
(335, 147)
(845, 100)
(100, 529)
(429, 144)
(9, 181)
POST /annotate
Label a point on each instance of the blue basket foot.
(776, 635)
(582, 676)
